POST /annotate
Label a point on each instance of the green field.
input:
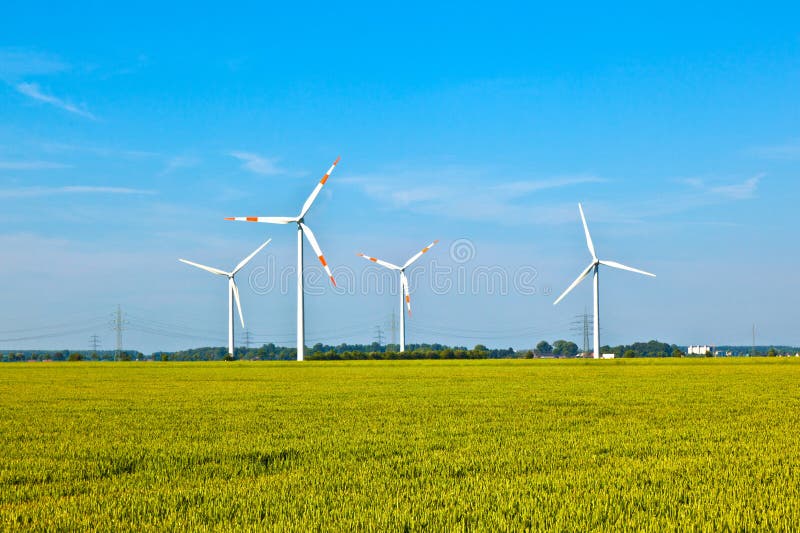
(455, 445)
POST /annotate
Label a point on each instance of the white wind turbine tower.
(233, 291)
(595, 267)
(404, 290)
(302, 229)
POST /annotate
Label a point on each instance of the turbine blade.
(575, 283)
(266, 220)
(378, 261)
(614, 264)
(315, 192)
(589, 242)
(419, 254)
(317, 250)
(238, 301)
(206, 268)
(406, 292)
(249, 257)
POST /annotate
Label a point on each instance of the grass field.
(456, 445)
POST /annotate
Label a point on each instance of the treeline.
(644, 349)
(659, 349)
(562, 348)
(323, 352)
(15, 356)
(637, 349)
(421, 351)
(758, 350)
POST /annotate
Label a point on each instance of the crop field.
(437, 445)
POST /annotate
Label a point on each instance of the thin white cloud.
(178, 162)
(100, 151)
(35, 192)
(696, 183)
(788, 151)
(739, 191)
(16, 63)
(141, 61)
(531, 186)
(416, 195)
(32, 90)
(255, 163)
(468, 194)
(733, 191)
(31, 165)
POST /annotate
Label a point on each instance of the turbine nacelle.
(405, 293)
(302, 230)
(233, 290)
(300, 221)
(595, 261)
(594, 266)
(404, 286)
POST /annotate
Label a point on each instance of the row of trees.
(638, 349)
(769, 351)
(419, 352)
(323, 352)
(67, 355)
(644, 349)
(272, 352)
(653, 349)
(560, 347)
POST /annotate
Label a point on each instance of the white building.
(699, 350)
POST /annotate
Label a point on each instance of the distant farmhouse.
(699, 350)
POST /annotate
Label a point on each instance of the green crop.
(438, 445)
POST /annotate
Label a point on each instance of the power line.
(394, 326)
(173, 335)
(184, 330)
(118, 325)
(168, 325)
(54, 335)
(485, 336)
(94, 341)
(494, 333)
(247, 339)
(581, 324)
(474, 333)
(586, 334)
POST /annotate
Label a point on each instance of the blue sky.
(127, 134)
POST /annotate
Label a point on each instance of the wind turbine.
(405, 297)
(302, 229)
(233, 291)
(595, 267)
